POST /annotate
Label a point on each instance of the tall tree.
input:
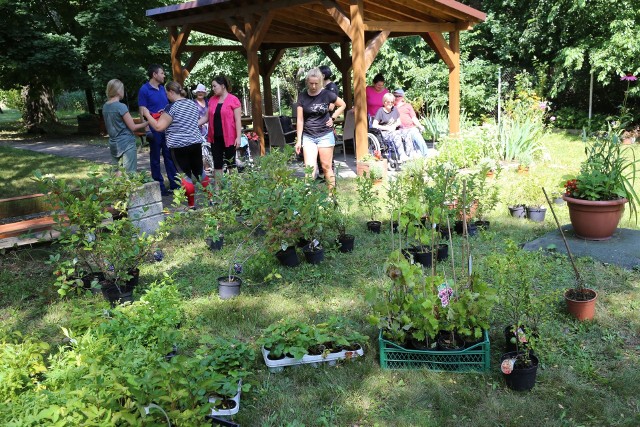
(49, 45)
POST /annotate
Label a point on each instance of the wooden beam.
(260, 30)
(409, 27)
(299, 38)
(440, 46)
(454, 84)
(345, 69)
(269, 65)
(333, 56)
(193, 60)
(238, 31)
(213, 14)
(213, 48)
(338, 14)
(356, 33)
(176, 39)
(373, 47)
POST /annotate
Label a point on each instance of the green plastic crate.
(472, 359)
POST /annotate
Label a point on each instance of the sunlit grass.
(589, 371)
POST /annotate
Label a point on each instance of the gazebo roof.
(306, 22)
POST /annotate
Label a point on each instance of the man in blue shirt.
(153, 96)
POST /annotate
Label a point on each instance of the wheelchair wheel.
(374, 144)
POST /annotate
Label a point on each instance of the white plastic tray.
(331, 358)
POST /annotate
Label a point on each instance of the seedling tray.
(473, 359)
(227, 412)
(331, 359)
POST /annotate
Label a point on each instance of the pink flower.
(552, 118)
(542, 105)
(629, 78)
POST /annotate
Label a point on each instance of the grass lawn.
(17, 168)
(589, 371)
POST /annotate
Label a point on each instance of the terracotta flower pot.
(581, 309)
(595, 220)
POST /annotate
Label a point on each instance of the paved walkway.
(100, 154)
(622, 249)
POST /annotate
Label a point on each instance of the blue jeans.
(159, 146)
(413, 135)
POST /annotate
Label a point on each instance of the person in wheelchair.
(410, 125)
(387, 120)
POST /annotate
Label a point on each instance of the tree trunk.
(39, 112)
(91, 104)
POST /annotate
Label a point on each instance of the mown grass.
(17, 167)
(589, 371)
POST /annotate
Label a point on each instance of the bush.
(11, 99)
(72, 101)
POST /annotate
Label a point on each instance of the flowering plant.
(252, 136)
(608, 173)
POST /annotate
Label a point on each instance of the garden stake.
(564, 239)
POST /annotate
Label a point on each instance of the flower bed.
(473, 359)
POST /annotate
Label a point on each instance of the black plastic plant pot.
(313, 255)
(229, 286)
(472, 229)
(120, 293)
(288, 257)
(521, 378)
(442, 252)
(374, 226)
(423, 258)
(89, 279)
(517, 211)
(536, 214)
(482, 225)
(346, 242)
(215, 245)
(444, 231)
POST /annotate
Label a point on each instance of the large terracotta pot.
(595, 220)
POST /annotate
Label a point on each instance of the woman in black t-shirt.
(314, 124)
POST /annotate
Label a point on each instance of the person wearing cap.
(202, 103)
(374, 95)
(387, 120)
(410, 125)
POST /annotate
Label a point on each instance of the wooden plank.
(24, 205)
(359, 76)
(15, 229)
(454, 84)
(40, 237)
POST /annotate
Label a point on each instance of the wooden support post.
(356, 34)
(345, 70)
(266, 85)
(454, 84)
(177, 42)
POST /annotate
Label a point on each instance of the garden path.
(622, 249)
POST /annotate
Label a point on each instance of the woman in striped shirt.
(179, 121)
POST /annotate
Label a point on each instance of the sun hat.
(398, 92)
(200, 88)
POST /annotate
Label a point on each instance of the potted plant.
(290, 342)
(373, 163)
(315, 211)
(596, 197)
(368, 200)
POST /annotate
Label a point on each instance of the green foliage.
(90, 242)
(367, 194)
(11, 99)
(293, 337)
(608, 173)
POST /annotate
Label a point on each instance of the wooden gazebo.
(265, 28)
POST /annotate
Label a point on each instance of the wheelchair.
(378, 143)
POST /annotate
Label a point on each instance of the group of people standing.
(181, 129)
